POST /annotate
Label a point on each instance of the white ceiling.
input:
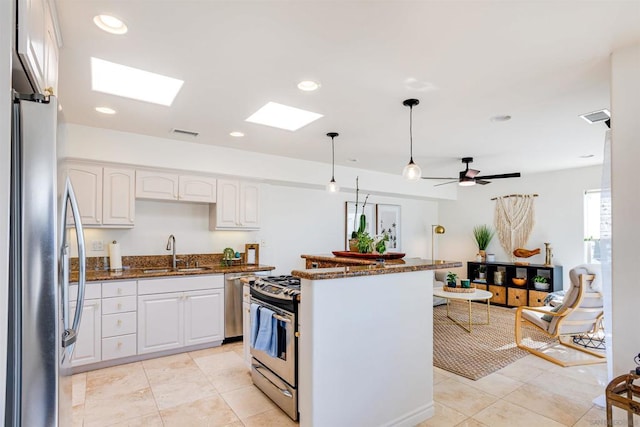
(541, 62)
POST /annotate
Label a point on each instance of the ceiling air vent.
(597, 116)
(185, 132)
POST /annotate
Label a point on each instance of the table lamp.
(435, 229)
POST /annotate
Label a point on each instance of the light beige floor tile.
(590, 374)
(210, 351)
(78, 388)
(77, 415)
(272, 418)
(551, 405)
(219, 362)
(438, 375)
(175, 361)
(597, 416)
(248, 401)
(231, 379)
(443, 417)
(496, 384)
(567, 386)
(116, 380)
(505, 414)
(180, 390)
(461, 397)
(211, 412)
(107, 409)
(151, 420)
(470, 422)
(172, 368)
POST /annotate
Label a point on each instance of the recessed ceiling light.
(237, 134)
(282, 116)
(110, 24)
(105, 110)
(501, 118)
(308, 85)
(120, 80)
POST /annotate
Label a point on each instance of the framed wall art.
(388, 221)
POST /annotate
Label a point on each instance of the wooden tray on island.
(388, 255)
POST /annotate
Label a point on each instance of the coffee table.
(477, 295)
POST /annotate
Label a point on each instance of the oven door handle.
(282, 390)
(281, 318)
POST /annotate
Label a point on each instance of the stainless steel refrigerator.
(43, 220)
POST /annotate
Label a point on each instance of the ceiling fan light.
(332, 186)
(412, 172)
(467, 182)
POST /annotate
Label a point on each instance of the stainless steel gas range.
(275, 372)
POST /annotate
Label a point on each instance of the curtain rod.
(514, 195)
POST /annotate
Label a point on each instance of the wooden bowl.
(520, 281)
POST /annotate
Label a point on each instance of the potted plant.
(482, 272)
(451, 279)
(354, 244)
(541, 283)
(483, 235)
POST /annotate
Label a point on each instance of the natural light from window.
(129, 82)
(592, 219)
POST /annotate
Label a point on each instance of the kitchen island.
(366, 343)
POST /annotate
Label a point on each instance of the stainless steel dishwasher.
(233, 304)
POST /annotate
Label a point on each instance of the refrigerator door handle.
(70, 335)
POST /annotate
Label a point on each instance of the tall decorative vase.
(483, 254)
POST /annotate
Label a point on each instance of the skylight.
(282, 116)
(128, 82)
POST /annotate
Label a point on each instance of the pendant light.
(332, 186)
(411, 171)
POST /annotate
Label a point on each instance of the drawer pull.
(119, 344)
(119, 306)
(119, 322)
(119, 291)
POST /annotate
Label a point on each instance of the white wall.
(559, 216)
(625, 152)
(6, 24)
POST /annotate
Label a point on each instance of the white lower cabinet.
(180, 312)
(88, 345)
(161, 321)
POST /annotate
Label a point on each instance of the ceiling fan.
(470, 176)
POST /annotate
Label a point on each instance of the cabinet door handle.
(119, 306)
(119, 322)
(119, 291)
(119, 344)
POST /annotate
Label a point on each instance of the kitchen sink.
(194, 269)
(156, 270)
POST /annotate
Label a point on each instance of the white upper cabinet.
(156, 185)
(197, 189)
(237, 206)
(37, 43)
(105, 195)
(169, 186)
(87, 186)
(118, 201)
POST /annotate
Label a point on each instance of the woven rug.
(486, 349)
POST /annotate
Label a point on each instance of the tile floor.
(212, 387)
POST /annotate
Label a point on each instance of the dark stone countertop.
(138, 273)
(373, 268)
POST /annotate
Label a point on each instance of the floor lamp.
(435, 229)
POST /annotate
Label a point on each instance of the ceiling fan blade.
(502, 175)
(433, 177)
(482, 182)
(471, 173)
(445, 183)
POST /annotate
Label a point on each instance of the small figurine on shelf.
(548, 255)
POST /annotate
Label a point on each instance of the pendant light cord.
(333, 160)
(411, 133)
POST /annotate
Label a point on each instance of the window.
(592, 220)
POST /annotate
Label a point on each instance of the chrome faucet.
(171, 246)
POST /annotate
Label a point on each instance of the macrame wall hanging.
(514, 219)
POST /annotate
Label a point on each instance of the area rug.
(486, 349)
